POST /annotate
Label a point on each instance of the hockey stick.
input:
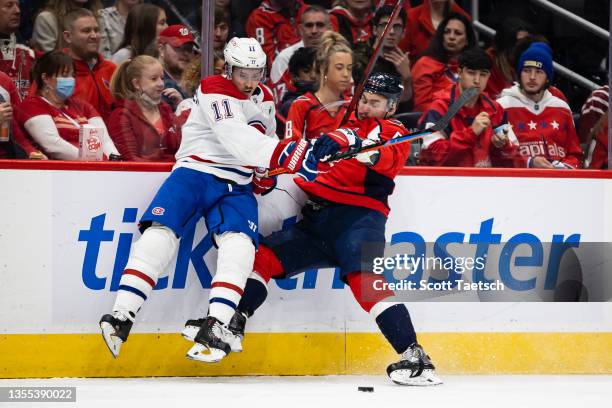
(371, 63)
(438, 126)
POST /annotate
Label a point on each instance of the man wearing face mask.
(303, 77)
(92, 72)
(53, 117)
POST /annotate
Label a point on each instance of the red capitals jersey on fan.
(16, 61)
(308, 118)
(458, 145)
(354, 183)
(543, 129)
(354, 30)
(273, 29)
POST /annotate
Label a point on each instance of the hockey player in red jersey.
(470, 139)
(543, 123)
(347, 207)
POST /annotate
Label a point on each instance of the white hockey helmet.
(244, 53)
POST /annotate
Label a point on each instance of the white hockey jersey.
(228, 133)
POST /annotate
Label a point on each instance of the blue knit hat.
(538, 55)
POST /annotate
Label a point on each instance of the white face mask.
(147, 100)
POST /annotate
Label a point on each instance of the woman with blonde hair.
(316, 113)
(47, 32)
(142, 126)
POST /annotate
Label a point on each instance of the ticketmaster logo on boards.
(524, 263)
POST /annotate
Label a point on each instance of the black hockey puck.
(365, 389)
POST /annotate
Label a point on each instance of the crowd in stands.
(130, 68)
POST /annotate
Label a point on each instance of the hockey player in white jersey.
(228, 133)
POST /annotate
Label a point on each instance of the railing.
(562, 70)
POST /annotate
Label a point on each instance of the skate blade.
(427, 378)
(112, 342)
(190, 332)
(200, 352)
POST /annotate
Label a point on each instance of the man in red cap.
(177, 48)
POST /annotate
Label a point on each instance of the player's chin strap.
(438, 126)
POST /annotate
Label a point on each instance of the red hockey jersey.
(592, 112)
(354, 183)
(543, 129)
(310, 119)
(16, 61)
(429, 76)
(458, 145)
(273, 29)
(354, 30)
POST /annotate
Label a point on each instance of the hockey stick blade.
(438, 126)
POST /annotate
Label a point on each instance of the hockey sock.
(362, 286)
(150, 256)
(266, 264)
(234, 264)
(255, 293)
(395, 324)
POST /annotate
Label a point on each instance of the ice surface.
(329, 391)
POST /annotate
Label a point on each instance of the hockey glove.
(368, 158)
(344, 140)
(262, 184)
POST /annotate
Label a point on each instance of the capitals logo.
(158, 211)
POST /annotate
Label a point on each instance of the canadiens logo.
(93, 144)
(158, 211)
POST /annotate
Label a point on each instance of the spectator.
(143, 25)
(273, 25)
(313, 23)
(521, 46)
(542, 122)
(47, 35)
(469, 140)
(92, 71)
(222, 28)
(438, 69)
(113, 21)
(502, 74)
(16, 59)
(17, 146)
(423, 21)
(177, 48)
(314, 114)
(53, 116)
(352, 18)
(392, 59)
(594, 128)
(303, 77)
(142, 126)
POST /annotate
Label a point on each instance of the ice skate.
(115, 330)
(414, 368)
(212, 342)
(236, 326)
